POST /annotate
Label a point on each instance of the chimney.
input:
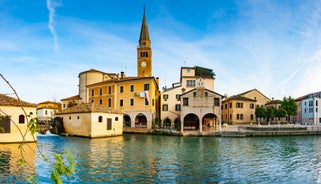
(122, 75)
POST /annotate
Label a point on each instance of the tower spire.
(144, 34)
(144, 51)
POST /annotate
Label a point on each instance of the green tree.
(260, 112)
(289, 105)
(280, 113)
(270, 113)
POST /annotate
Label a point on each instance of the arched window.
(21, 119)
(100, 119)
(116, 118)
(100, 101)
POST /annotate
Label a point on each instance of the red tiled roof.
(10, 101)
(86, 108)
(76, 97)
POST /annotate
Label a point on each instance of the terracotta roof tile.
(10, 101)
(86, 108)
(76, 97)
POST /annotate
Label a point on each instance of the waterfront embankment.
(239, 131)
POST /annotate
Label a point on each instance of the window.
(165, 96)
(165, 107)
(69, 117)
(216, 102)
(121, 102)
(251, 117)
(230, 105)
(100, 101)
(116, 118)
(132, 88)
(146, 87)
(239, 105)
(177, 97)
(92, 92)
(230, 116)
(109, 123)
(185, 101)
(194, 94)
(100, 119)
(100, 91)
(146, 101)
(21, 119)
(109, 89)
(109, 102)
(251, 106)
(121, 89)
(239, 116)
(46, 112)
(178, 107)
(5, 124)
(190, 83)
(316, 103)
(310, 103)
(206, 93)
(225, 106)
(77, 117)
(131, 103)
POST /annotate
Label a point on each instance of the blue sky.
(274, 46)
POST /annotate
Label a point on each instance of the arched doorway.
(191, 122)
(167, 123)
(141, 121)
(127, 121)
(209, 121)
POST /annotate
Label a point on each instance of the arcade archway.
(191, 122)
(141, 121)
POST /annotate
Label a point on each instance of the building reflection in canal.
(11, 171)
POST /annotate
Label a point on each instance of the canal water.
(136, 158)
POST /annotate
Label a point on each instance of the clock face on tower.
(143, 64)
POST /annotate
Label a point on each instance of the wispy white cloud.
(51, 6)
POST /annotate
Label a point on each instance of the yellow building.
(14, 120)
(136, 97)
(240, 108)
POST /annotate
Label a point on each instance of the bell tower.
(144, 51)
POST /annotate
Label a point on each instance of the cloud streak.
(51, 6)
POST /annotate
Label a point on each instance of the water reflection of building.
(10, 169)
(14, 119)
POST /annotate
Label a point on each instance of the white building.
(311, 114)
(171, 112)
(47, 110)
(201, 110)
